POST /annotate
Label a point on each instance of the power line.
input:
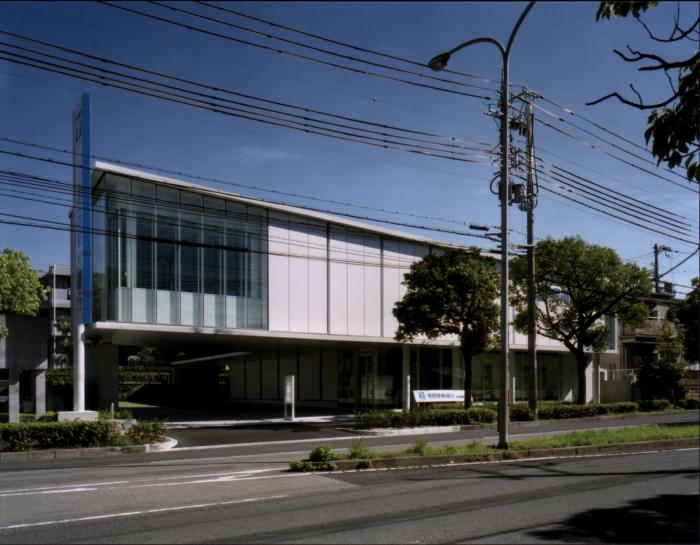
(269, 36)
(294, 55)
(233, 184)
(642, 158)
(540, 149)
(216, 88)
(621, 218)
(259, 117)
(214, 191)
(645, 207)
(330, 133)
(239, 129)
(337, 42)
(604, 152)
(623, 208)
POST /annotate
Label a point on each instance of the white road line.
(213, 477)
(136, 513)
(73, 485)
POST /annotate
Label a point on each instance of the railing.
(653, 328)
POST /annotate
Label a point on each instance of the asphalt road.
(637, 498)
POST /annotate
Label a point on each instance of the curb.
(86, 452)
(499, 456)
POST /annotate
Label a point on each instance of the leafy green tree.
(674, 123)
(64, 327)
(662, 378)
(452, 294)
(687, 314)
(577, 285)
(20, 289)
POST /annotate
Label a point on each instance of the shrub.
(418, 447)
(38, 436)
(358, 449)
(144, 432)
(689, 403)
(323, 453)
(305, 465)
(424, 416)
(654, 405)
(520, 412)
(624, 407)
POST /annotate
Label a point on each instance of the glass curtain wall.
(176, 257)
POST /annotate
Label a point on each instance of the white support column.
(39, 391)
(406, 376)
(13, 396)
(79, 369)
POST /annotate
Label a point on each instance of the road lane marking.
(230, 475)
(56, 487)
(144, 512)
(60, 491)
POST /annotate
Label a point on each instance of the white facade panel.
(373, 286)
(298, 275)
(318, 278)
(278, 281)
(356, 284)
(391, 282)
(338, 296)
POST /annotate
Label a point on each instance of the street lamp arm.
(488, 40)
(517, 26)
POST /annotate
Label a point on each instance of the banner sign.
(438, 396)
(81, 250)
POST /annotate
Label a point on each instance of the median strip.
(639, 438)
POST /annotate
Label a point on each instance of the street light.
(438, 63)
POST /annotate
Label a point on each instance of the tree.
(578, 285)
(663, 377)
(64, 327)
(452, 294)
(674, 123)
(687, 315)
(20, 289)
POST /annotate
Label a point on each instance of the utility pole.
(531, 202)
(657, 249)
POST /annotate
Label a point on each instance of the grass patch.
(607, 437)
(321, 458)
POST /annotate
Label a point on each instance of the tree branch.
(663, 64)
(672, 37)
(640, 105)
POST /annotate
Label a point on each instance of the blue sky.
(560, 51)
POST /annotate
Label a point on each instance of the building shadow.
(666, 518)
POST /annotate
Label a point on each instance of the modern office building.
(266, 290)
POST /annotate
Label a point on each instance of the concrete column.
(13, 396)
(108, 381)
(78, 367)
(406, 377)
(39, 391)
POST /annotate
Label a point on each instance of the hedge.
(76, 434)
(423, 417)
(519, 412)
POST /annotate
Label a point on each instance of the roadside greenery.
(607, 437)
(424, 417)
(455, 415)
(322, 457)
(77, 434)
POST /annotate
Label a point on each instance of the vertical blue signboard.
(81, 240)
